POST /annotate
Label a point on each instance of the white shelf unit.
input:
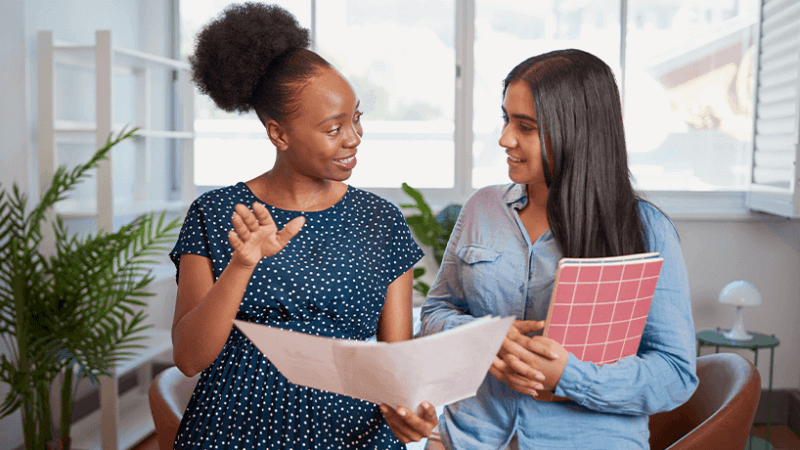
(122, 421)
(106, 60)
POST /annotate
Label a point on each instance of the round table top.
(716, 337)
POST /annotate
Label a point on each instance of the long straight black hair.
(591, 205)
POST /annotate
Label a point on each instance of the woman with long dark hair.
(294, 247)
(570, 196)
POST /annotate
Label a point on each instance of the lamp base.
(738, 333)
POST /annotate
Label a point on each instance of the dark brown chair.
(169, 394)
(720, 414)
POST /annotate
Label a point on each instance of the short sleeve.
(193, 238)
(404, 251)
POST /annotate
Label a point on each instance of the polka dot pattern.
(330, 280)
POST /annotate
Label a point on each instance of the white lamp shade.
(740, 293)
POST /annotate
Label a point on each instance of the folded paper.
(440, 368)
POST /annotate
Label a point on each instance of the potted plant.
(74, 312)
(430, 230)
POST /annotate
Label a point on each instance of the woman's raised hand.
(529, 365)
(255, 235)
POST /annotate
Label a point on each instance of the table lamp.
(739, 294)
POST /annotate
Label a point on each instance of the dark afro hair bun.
(234, 50)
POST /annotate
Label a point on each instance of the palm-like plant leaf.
(81, 307)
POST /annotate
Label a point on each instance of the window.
(685, 70)
(688, 95)
(775, 145)
(399, 55)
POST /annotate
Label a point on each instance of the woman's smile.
(347, 163)
(514, 160)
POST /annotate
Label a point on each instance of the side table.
(716, 338)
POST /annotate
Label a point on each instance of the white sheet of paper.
(441, 368)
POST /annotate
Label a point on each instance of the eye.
(505, 118)
(335, 131)
(358, 117)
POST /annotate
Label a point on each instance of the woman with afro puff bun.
(307, 252)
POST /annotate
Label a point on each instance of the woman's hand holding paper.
(526, 364)
(408, 426)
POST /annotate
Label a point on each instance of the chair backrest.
(719, 414)
(169, 394)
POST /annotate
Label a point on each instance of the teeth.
(514, 159)
(346, 160)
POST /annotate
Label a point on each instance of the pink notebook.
(599, 306)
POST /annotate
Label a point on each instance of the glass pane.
(399, 57)
(508, 32)
(688, 95)
(223, 140)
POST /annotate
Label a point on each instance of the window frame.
(717, 205)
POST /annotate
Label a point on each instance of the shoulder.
(489, 200)
(373, 203)
(495, 193)
(658, 228)
(222, 198)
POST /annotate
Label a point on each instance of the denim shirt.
(490, 266)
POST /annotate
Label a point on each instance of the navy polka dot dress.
(330, 280)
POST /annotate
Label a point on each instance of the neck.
(537, 197)
(288, 189)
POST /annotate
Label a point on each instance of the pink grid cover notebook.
(599, 306)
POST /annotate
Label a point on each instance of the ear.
(277, 135)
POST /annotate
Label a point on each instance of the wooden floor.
(782, 437)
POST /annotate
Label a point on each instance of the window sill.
(708, 206)
(680, 206)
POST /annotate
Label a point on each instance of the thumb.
(529, 326)
(291, 229)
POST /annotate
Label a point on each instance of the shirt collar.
(517, 196)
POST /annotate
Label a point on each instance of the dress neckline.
(330, 208)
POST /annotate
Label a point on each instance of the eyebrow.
(340, 115)
(524, 117)
(521, 116)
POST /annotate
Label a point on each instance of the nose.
(353, 136)
(507, 140)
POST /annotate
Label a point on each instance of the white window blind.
(774, 175)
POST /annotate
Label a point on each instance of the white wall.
(142, 25)
(764, 253)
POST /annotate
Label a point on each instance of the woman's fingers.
(239, 227)
(290, 230)
(528, 326)
(262, 214)
(397, 424)
(523, 370)
(235, 241)
(428, 413)
(518, 344)
(410, 427)
(247, 217)
(515, 383)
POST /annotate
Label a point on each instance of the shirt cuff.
(573, 383)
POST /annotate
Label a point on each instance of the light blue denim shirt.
(491, 267)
